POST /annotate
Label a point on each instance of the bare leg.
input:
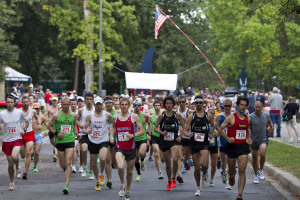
(120, 158)
(196, 161)
(242, 164)
(175, 157)
(255, 161)
(29, 151)
(214, 159)
(38, 147)
(130, 165)
(167, 156)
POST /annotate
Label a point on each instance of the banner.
(242, 82)
(151, 81)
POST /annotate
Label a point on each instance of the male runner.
(259, 137)
(237, 148)
(73, 107)
(37, 127)
(168, 123)
(198, 122)
(84, 141)
(62, 125)
(123, 126)
(12, 119)
(29, 135)
(98, 134)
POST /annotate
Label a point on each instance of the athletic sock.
(138, 168)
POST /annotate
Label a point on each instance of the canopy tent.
(15, 76)
(151, 81)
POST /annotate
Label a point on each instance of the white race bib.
(122, 136)
(12, 130)
(199, 137)
(225, 130)
(179, 130)
(96, 134)
(240, 134)
(169, 136)
(109, 128)
(65, 129)
(212, 141)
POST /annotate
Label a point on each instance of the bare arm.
(188, 125)
(156, 129)
(87, 124)
(216, 122)
(148, 121)
(271, 127)
(53, 120)
(181, 120)
(211, 121)
(136, 120)
(78, 118)
(228, 122)
(113, 130)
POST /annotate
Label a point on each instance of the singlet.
(122, 127)
(171, 125)
(29, 118)
(99, 127)
(12, 124)
(153, 121)
(213, 141)
(65, 125)
(184, 115)
(223, 141)
(85, 113)
(144, 136)
(258, 126)
(200, 128)
(239, 130)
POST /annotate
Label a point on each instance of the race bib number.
(212, 141)
(225, 130)
(12, 130)
(96, 134)
(199, 137)
(122, 136)
(65, 129)
(179, 130)
(240, 134)
(109, 128)
(169, 137)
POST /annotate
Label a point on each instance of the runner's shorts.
(129, 154)
(95, 148)
(198, 148)
(84, 139)
(236, 150)
(64, 146)
(255, 144)
(38, 138)
(7, 147)
(138, 143)
(28, 137)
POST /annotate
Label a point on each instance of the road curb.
(285, 178)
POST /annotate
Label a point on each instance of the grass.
(284, 156)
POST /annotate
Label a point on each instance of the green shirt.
(154, 120)
(110, 124)
(65, 125)
(144, 136)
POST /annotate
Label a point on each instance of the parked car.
(3, 104)
(230, 92)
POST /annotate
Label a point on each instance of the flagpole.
(194, 45)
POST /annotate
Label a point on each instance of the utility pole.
(100, 52)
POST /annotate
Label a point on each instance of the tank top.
(239, 130)
(122, 142)
(223, 141)
(85, 113)
(144, 136)
(65, 125)
(184, 115)
(199, 126)
(99, 127)
(171, 125)
(153, 121)
(30, 119)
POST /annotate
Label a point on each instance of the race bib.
(212, 141)
(225, 130)
(169, 137)
(65, 129)
(240, 134)
(96, 134)
(122, 136)
(179, 130)
(109, 128)
(12, 130)
(199, 137)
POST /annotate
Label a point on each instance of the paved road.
(49, 182)
(285, 136)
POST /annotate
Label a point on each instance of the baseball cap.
(36, 105)
(80, 98)
(54, 99)
(31, 86)
(98, 100)
(136, 102)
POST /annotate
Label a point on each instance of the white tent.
(15, 76)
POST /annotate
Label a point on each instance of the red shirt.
(47, 98)
(239, 130)
(122, 127)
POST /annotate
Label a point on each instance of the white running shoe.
(80, 169)
(84, 172)
(74, 169)
(122, 191)
(91, 176)
(18, 173)
(291, 140)
(262, 175)
(255, 180)
(205, 181)
(197, 193)
(211, 183)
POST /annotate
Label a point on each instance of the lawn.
(284, 156)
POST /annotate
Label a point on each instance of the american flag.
(159, 21)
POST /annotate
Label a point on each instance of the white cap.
(136, 102)
(80, 98)
(31, 85)
(98, 100)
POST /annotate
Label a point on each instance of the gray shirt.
(275, 101)
(258, 126)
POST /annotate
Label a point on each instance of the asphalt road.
(48, 184)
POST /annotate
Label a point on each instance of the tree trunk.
(76, 72)
(89, 68)
(2, 84)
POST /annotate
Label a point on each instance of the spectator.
(261, 97)
(275, 102)
(293, 108)
(47, 97)
(41, 98)
(21, 89)
(251, 98)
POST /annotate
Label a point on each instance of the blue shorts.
(38, 138)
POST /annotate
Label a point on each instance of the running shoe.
(74, 169)
(91, 176)
(32, 156)
(205, 181)
(183, 170)
(224, 177)
(18, 173)
(66, 190)
(173, 183)
(98, 187)
(80, 169)
(54, 158)
(122, 191)
(126, 196)
(102, 180)
(197, 193)
(179, 179)
(109, 184)
(35, 169)
(239, 197)
(84, 172)
(191, 162)
(255, 180)
(24, 176)
(138, 178)
(231, 180)
(143, 165)
(11, 186)
(98, 160)
(160, 176)
(150, 158)
(211, 183)
(219, 164)
(187, 166)
(228, 187)
(113, 166)
(261, 175)
(291, 140)
(169, 187)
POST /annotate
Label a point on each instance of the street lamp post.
(100, 52)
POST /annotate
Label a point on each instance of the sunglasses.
(181, 101)
(198, 102)
(227, 106)
(137, 105)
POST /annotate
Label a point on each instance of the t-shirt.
(258, 126)
(47, 98)
(12, 124)
(261, 98)
(291, 107)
